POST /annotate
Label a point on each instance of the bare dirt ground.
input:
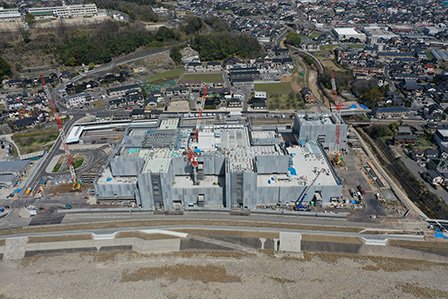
(219, 275)
(312, 81)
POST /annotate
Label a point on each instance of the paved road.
(40, 171)
(230, 228)
(305, 220)
(416, 169)
(388, 121)
(132, 57)
(397, 190)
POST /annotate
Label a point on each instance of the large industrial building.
(346, 34)
(320, 128)
(9, 14)
(219, 166)
(65, 11)
(11, 172)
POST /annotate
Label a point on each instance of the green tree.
(175, 55)
(192, 25)
(293, 39)
(343, 79)
(29, 18)
(5, 69)
(26, 36)
(165, 34)
(217, 24)
(381, 132)
(218, 46)
(135, 9)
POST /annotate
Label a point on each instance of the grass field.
(314, 35)
(205, 77)
(283, 88)
(328, 47)
(78, 161)
(329, 63)
(355, 46)
(57, 167)
(423, 143)
(35, 140)
(280, 96)
(168, 75)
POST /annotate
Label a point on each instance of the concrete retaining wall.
(18, 248)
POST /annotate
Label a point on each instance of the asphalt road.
(135, 56)
(233, 226)
(415, 169)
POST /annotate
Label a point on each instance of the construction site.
(170, 165)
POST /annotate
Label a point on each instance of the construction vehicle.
(337, 159)
(298, 206)
(68, 155)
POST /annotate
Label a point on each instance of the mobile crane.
(338, 160)
(298, 206)
(68, 155)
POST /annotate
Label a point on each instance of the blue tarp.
(292, 170)
(440, 235)
(109, 180)
(363, 106)
(353, 106)
(196, 150)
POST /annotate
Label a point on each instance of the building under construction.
(220, 166)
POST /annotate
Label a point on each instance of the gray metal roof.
(12, 167)
(7, 179)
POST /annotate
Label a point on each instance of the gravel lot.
(219, 275)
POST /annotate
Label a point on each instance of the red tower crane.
(68, 154)
(194, 164)
(198, 123)
(338, 112)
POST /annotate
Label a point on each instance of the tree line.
(5, 70)
(136, 9)
(108, 41)
(221, 45)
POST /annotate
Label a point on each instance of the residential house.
(123, 90)
(431, 154)
(308, 95)
(439, 165)
(78, 100)
(441, 139)
(432, 177)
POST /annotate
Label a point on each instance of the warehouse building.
(229, 165)
(349, 35)
(11, 172)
